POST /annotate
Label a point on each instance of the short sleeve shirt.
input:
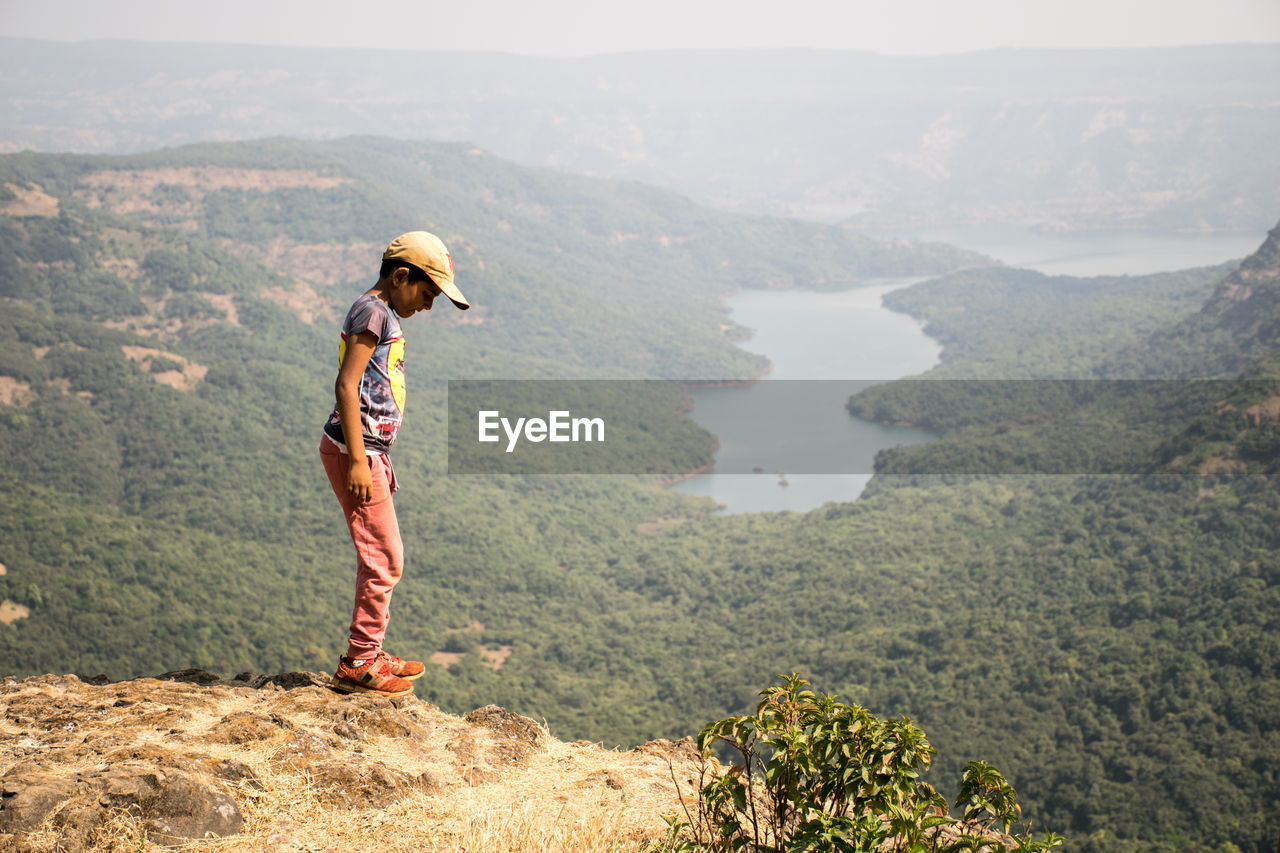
(382, 385)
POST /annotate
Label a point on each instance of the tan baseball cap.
(426, 252)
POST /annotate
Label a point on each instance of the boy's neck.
(382, 290)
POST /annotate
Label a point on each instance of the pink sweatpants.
(379, 551)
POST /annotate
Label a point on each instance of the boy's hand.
(360, 480)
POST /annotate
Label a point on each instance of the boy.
(369, 392)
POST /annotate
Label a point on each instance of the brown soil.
(495, 657)
(1216, 464)
(129, 191)
(184, 380)
(303, 302)
(318, 263)
(660, 523)
(64, 385)
(225, 303)
(1268, 411)
(30, 201)
(10, 612)
(204, 179)
(13, 392)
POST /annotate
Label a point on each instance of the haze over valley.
(1169, 139)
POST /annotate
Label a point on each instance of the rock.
(609, 778)
(285, 680)
(185, 808)
(227, 769)
(516, 736)
(346, 731)
(363, 715)
(388, 724)
(468, 761)
(368, 785)
(175, 806)
(27, 797)
(684, 749)
(302, 750)
(246, 727)
(170, 756)
(140, 752)
(190, 676)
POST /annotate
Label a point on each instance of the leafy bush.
(170, 269)
(819, 775)
(191, 306)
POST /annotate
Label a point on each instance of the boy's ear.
(400, 276)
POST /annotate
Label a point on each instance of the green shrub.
(819, 775)
(191, 306)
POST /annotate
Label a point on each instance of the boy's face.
(410, 297)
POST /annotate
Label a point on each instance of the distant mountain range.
(1161, 139)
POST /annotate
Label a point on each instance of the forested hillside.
(1021, 324)
(1110, 643)
(1147, 605)
(170, 326)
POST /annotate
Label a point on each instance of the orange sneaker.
(371, 675)
(406, 669)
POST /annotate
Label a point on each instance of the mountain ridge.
(1137, 139)
(1238, 325)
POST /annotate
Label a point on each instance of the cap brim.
(455, 295)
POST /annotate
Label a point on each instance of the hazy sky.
(581, 27)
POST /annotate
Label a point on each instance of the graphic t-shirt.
(382, 385)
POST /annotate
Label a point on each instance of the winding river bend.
(849, 340)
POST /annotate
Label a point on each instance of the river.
(849, 339)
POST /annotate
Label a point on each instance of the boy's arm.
(346, 391)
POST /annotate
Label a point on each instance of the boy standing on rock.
(370, 395)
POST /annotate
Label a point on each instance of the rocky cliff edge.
(283, 763)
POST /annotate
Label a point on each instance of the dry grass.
(557, 797)
(559, 802)
(30, 201)
(203, 179)
(606, 800)
(457, 824)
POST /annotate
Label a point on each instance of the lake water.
(848, 338)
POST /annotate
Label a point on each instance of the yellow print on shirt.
(394, 366)
(382, 389)
(395, 371)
